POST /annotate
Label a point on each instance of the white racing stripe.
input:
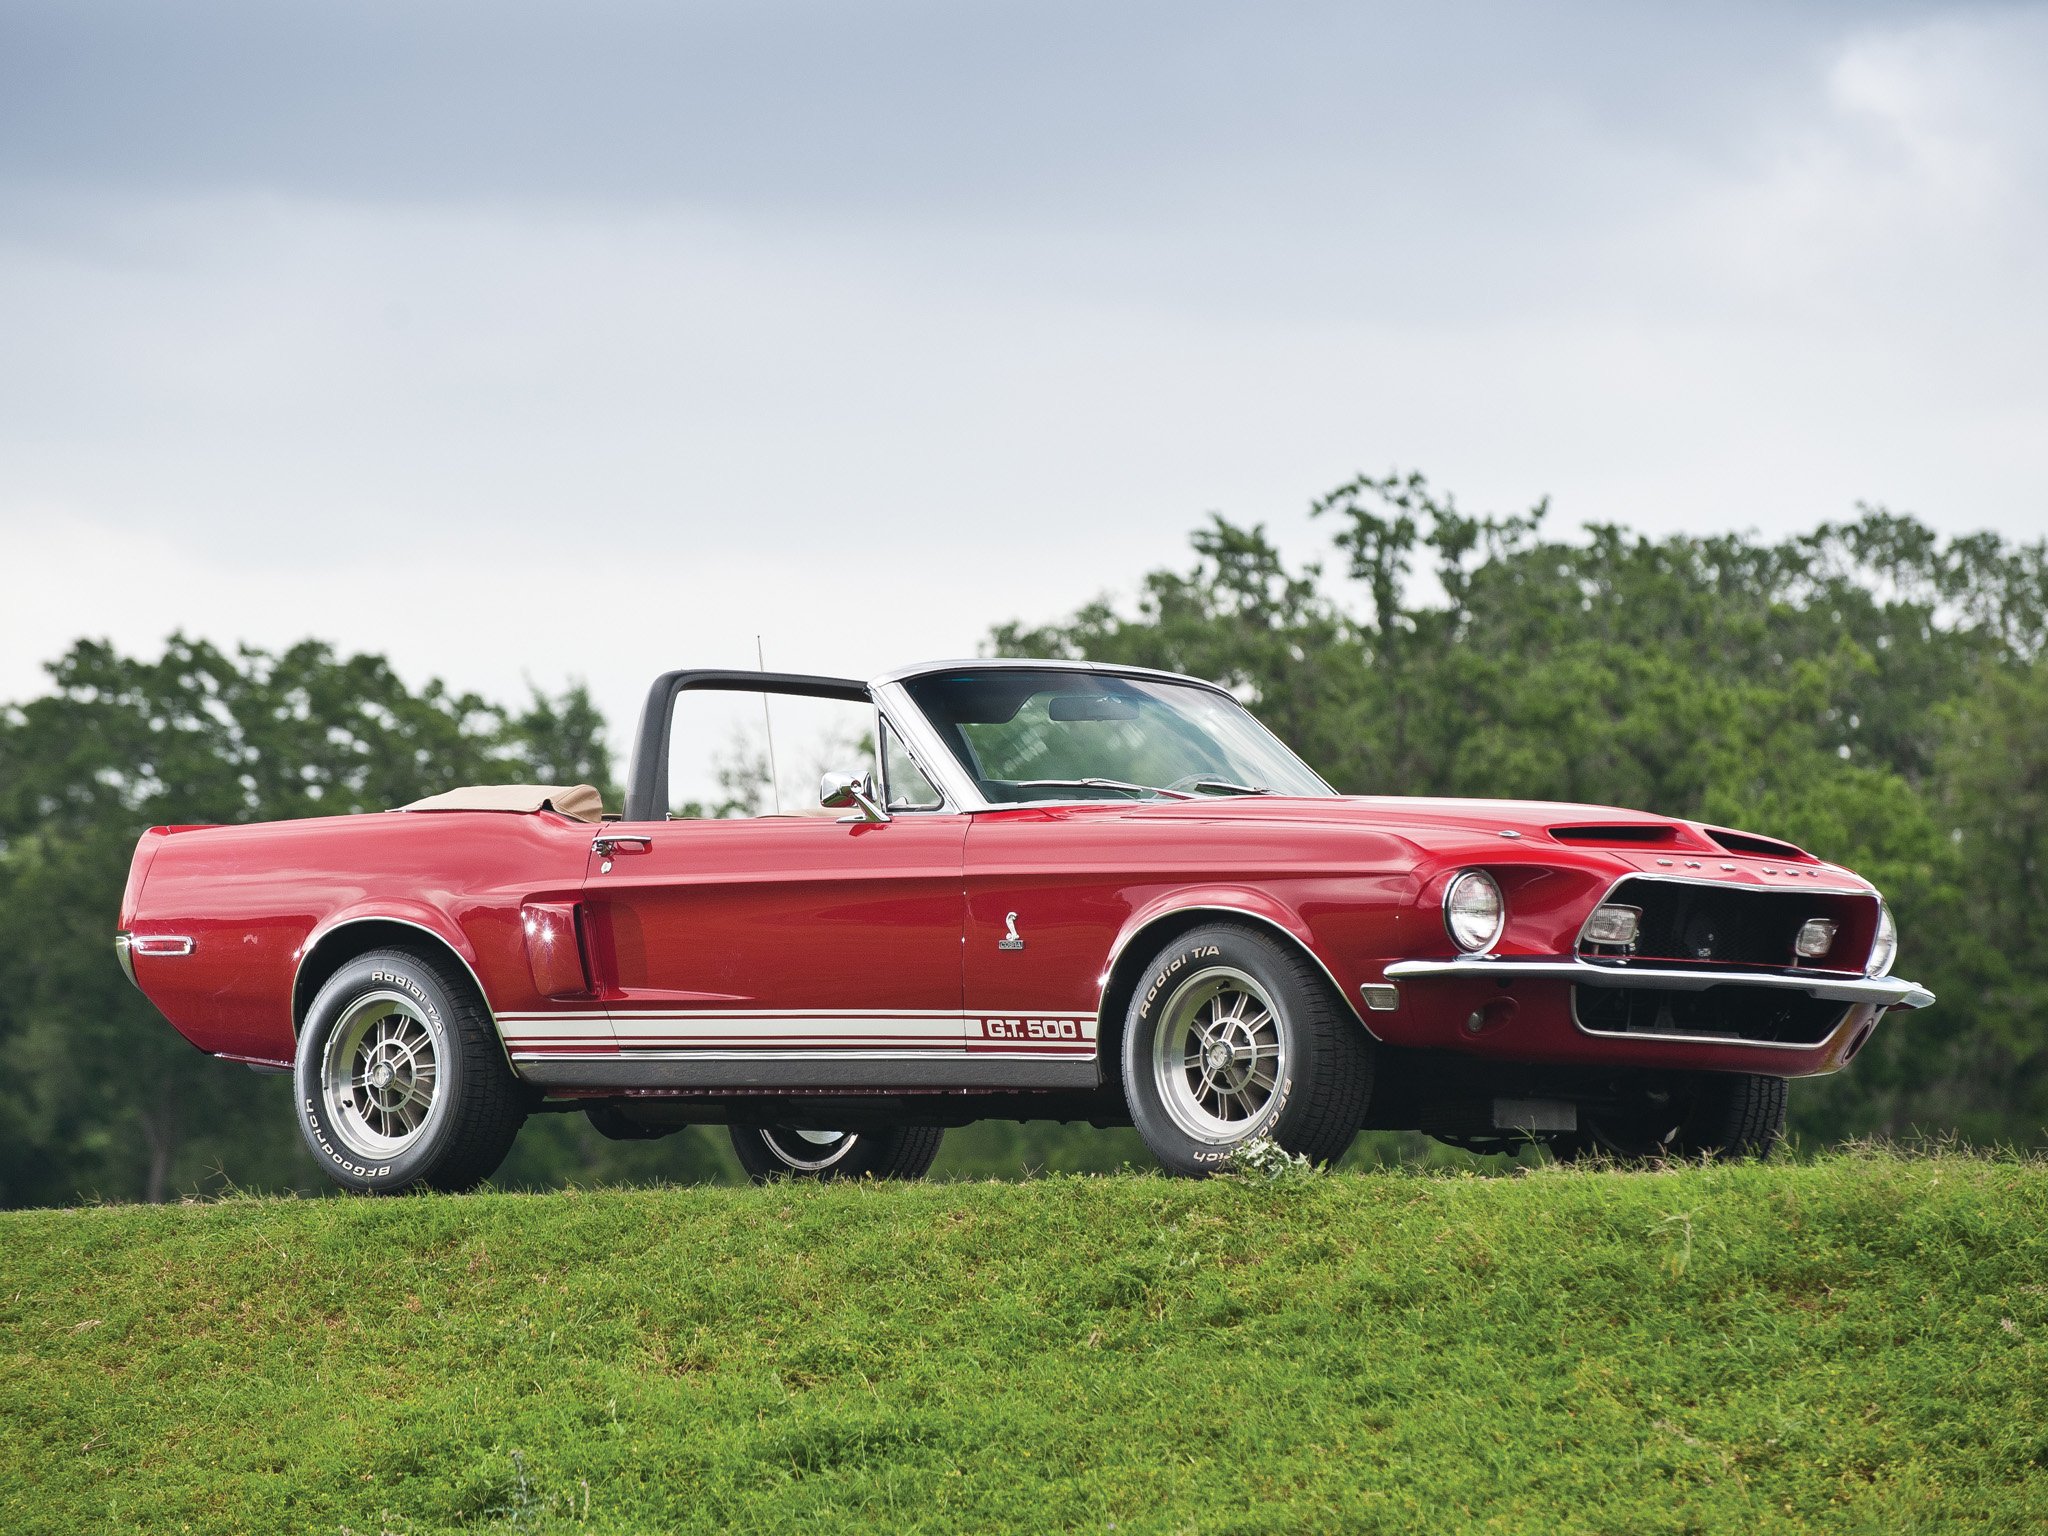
(824, 1031)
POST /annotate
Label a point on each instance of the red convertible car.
(1053, 890)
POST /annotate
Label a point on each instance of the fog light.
(1816, 938)
(1613, 925)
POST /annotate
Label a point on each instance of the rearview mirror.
(838, 790)
(1086, 706)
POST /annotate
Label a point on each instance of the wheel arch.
(340, 942)
(1149, 930)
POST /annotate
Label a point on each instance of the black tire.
(771, 1152)
(1718, 1115)
(1195, 1110)
(473, 1108)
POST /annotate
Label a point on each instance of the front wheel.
(1717, 1115)
(400, 1080)
(781, 1152)
(1234, 1037)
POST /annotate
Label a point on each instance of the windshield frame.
(960, 786)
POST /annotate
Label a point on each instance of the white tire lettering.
(360, 1170)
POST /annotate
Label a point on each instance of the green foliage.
(1869, 690)
(1852, 1345)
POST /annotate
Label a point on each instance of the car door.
(811, 948)
(1047, 892)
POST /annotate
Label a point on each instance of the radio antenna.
(768, 721)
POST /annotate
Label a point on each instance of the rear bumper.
(1882, 991)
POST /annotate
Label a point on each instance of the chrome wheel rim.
(1219, 1055)
(808, 1151)
(380, 1076)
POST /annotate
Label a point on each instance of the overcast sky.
(593, 339)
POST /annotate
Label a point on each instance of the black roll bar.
(647, 775)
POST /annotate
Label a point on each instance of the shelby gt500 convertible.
(1053, 890)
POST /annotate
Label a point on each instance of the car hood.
(1388, 812)
(1634, 838)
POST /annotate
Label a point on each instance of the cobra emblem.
(1009, 940)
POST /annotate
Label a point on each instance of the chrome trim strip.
(1887, 992)
(886, 726)
(895, 705)
(1580, 939)
(1821, 1045)
(1719, 885)
(813, 1072)
(1027, 663)
(769, 1053)
(121, 954)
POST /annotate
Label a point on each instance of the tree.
(1868, 689)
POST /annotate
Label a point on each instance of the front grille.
(1694, 923)
(1766, 1014)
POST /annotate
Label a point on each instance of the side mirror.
(836, 791)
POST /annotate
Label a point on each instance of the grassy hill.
(1857, 1344)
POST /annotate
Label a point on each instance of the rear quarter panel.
(255, 899)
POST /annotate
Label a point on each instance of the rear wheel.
(1233, 1037)
(782, 1152)
(401, 1082)
(1718, 1115)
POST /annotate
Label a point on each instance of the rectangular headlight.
(1816, 938)
(1613, 925)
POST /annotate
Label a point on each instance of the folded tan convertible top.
(578, 801)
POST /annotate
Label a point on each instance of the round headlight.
(1884, 949)
(1473, 910)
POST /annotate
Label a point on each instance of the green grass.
(1853, 1344)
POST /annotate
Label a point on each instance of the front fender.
(1150, 925)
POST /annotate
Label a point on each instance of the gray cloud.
(437, 327)
(780, 103)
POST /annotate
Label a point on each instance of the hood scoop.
(1627, 834)
(1671, 834)
(1759, 847)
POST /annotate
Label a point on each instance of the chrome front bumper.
(1884, 991)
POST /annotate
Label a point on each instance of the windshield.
(1029, 735)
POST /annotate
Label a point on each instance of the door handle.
(605, 844)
